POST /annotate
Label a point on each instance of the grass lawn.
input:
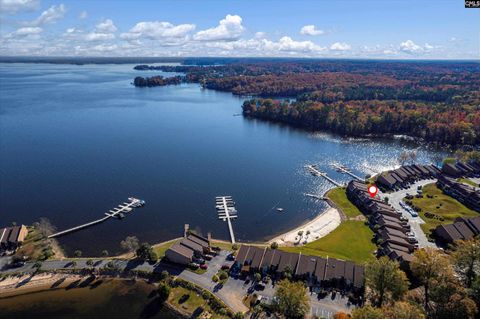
(189, 301)
(352, 240)
(339, 196)
(467, 181)
(442, 205)
(224, 245)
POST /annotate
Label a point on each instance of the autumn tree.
(367, 312)
(466, 259)
(385, 280)
(450, 300)
(130, 244)
(428, 266)
(292, 299)
(403, 310)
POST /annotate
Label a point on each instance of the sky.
(393, 29)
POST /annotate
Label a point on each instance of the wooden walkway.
(226, 211)
(314, 171)
(346, 171)
(123, 208)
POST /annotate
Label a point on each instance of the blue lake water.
(75, 141)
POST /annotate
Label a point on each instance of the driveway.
(415, 222)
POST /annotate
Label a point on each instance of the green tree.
(367, 312)
(450, 300)
(164, 275)
(163, 292)
(89, 262)
(466, 259)
(235, 247)
(105, 253)
(428, 266)
(292, 299)
(386, 281)
(145, 252)
(238, 315)
(77, 253)
(274, 245)
(257, 277)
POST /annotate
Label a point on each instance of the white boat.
(279, 209)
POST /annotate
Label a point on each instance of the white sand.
(319, 227)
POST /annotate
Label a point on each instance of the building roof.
(268, 257)
(349, 269)
(199, 240)
(288, 260)
(242, 254)
(14, 234)
(258, 256)
(181, 250)
(306, 265)
(320, 268)
(191, 244)
(358, 276)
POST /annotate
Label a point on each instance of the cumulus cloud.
(229, 29)
(51, 15)
(410, 47)
(103, 31)
(28, 31)
(311, 30)
(340, 46)
(260, 35)
(156, 30)
(14, 6)
(83, 15)
(106, 26)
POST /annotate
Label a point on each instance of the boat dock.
(226, 211)
(315, 196)
(314, 171)
(342, 169)
(117, 212)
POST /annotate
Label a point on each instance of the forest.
(436, 101)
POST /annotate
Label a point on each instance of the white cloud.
(106, 26)
(410, 47)
(103, 31)
(28, 31)
(83, 15)
(229, 29)
(260, 35)
(311, 30)
(14, 6)
(105, 48)
(340, 46)
(156, 30)
(51, 15)
(94, 36)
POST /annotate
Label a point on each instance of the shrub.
(163, 292)
(274, 245)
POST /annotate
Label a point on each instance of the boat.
(279, 209)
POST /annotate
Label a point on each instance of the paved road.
(415, 222)
(232, 292)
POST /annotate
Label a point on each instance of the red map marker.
(373, 190)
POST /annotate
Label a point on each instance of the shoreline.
(320, 226)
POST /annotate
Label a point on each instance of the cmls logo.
(472, 3)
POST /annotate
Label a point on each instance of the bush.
(238, 315)
(163, 292)
(274, 245)
(222, 275)
(235, 247)
(215, 278)
(164, 275)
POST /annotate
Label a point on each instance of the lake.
(107, 298)
(75, 141)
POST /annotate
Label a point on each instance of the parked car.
(208, 257)
(204, 266)
(231, 257)
(225, 267)
(199, 261)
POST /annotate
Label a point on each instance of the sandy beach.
(15, 285)
(318, 227)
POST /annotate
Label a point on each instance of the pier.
(346, 171)
(314, 171)
(115, 212)
(226, 211)
(315, 196)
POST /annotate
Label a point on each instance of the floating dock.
(315, 196)
(315, 172)
(342, 169)
(226, 211)
(116, 212)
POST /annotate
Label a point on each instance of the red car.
(204, 266)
